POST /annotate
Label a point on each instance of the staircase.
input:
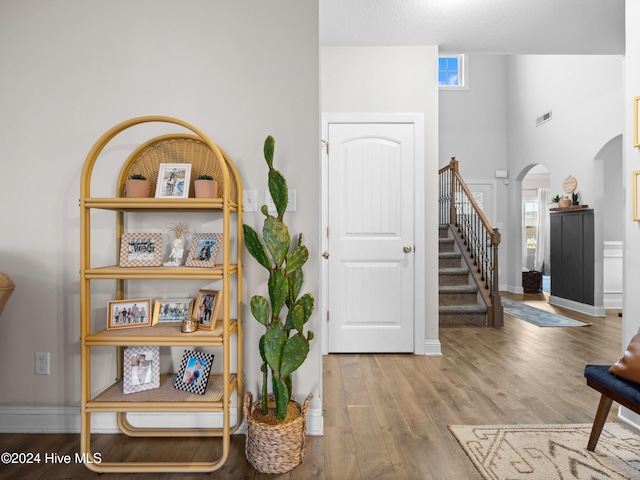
(459, 301)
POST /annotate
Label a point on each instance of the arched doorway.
(536, 200)
(609, 207)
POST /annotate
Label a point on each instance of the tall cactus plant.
(284, 346)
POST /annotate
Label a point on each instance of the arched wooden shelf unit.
(205, 157)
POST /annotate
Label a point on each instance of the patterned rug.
(550, 452)
(538, 317)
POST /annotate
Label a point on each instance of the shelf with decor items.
(203, 158)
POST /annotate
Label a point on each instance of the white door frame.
(417, 120)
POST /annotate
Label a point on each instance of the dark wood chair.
(612, 388)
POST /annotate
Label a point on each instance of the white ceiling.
(478, 26)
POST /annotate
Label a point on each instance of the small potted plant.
(275, 438)
(574, 199)
(205, 186)
(137, 186)
(556, 201)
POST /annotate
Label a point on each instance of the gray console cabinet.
(572, 255)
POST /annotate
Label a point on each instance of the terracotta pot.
(137, 188)
(206, 188)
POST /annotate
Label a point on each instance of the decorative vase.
(206, 188)
(136, 188)
(565, 202)
(275, 446)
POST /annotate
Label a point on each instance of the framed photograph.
(636, 199)
(129, 313)
(194, 372)
(141, 250)
(636, 125)
(206, 309)
(204, 250)
(171, 311)
(141, 369)
(173, 180)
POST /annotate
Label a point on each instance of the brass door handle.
(325, 254)
(407, 249)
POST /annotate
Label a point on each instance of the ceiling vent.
(543, 119)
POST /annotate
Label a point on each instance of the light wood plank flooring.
(386, 415)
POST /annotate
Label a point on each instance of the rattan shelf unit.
(205, 157)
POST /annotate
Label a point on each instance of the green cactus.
(284, 346)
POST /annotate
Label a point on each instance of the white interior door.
(371, 237)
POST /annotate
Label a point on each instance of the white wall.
(71, 70)
(473, 121)
(631, 275)
(584, 93)
(387, 80)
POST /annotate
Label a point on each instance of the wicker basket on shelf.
(275, 447)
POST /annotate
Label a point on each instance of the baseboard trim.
(67, 420)
(432, 348)
(629, 418)
(516, 290)
(592, 310)
(612, 300)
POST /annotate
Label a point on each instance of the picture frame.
(135, 312)
(141, 250)
(204, 250)
(141, 369)
(194, 372)
(636, 124)
(173, 180)
(636, 198)
(170, 312)
(205, 311)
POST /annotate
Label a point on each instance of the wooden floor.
(386, 416)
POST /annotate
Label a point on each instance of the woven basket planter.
(279, 447)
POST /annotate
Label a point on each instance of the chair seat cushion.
(625, 388)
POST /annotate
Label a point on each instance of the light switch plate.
(250, 198)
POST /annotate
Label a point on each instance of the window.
(452, 72)
(531, 223)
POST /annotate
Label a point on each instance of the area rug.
(538, 317)
(550, 452)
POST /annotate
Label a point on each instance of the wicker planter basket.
(279, 447)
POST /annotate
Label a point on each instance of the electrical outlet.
(42, 363)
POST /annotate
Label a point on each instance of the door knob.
(325, 254)
(407, 249)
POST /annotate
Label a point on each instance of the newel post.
(498, 313)
(453, 165)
